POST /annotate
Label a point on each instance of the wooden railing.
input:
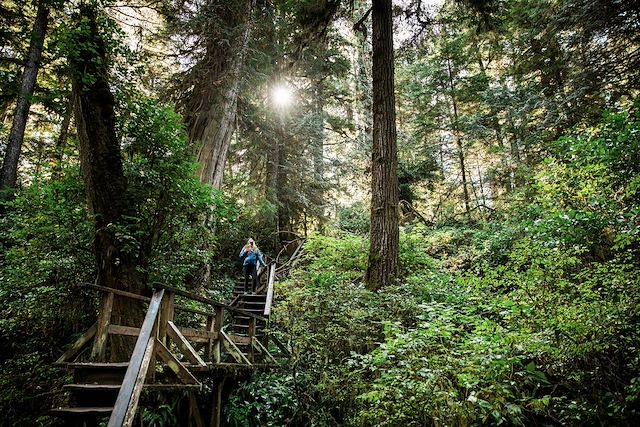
(127, 400)
(185, 350)
(270, 283)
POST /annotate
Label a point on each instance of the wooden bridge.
(183, 340)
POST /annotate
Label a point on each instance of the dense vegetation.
(530, 319)
(517, 295)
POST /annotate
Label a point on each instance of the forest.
(463, 175)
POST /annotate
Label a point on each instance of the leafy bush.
(354, 219)
(166, 227)
(267, 400)
(588, 190)
(538, 335)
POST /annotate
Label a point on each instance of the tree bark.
(318, 154)
(459, 144)
(104, 180)
(210, 131)
(384, 232)
(9, 172)
(62, 138)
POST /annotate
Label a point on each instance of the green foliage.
(267, 400)
(489, 326)
(589, 188)
(335, 260)
(354, 219)
(166, 226)
(46, 250)
(26, 381)
(161, 416)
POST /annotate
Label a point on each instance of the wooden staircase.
(230, 341)
(93, 393)
(233, 339)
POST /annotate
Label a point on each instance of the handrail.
(206, 300)
(127, 399)
(286, 245)
(286, 266)
(176, 291)
(271, 281)
(114, 291)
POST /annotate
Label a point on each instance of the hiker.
(251, 257)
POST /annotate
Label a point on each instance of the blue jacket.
(251, 258)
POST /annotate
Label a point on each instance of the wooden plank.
(233, 350)
(138, 385)
(124, 330)
(166, 315)
(172, 387)
(194, 334)
(136, 363)
(195, 418)
(252, 334)
(207, 301)
(98, 365)
(208, 351)
(216, 403)
(84, 410)
(194, 311)
(217, 353)
(239, 339)
(116, 291)
(183, 344)
(92, 387)
(252, 328)
(262, 349)
(78, 345)
(175, 365)
(270, 284)
(102, 333)
(198, 342)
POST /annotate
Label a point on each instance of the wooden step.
(94, 411)
(92, 387)
(245, 327)
(255, 297)
(97, 365)
(92, 395)
(251, 299)
(157, 387)
(98, 373)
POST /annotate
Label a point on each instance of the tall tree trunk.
(318, 153)
(384, 232)
(62, 138)
(9, 172)
(211, 130)
(105, 183)
(272, 179)
(459, 144)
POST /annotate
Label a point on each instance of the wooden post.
(160, 330)
(102, 333)
(166, 316)
(252, 334)
(208, 351)
(195, 418)
(216, 403)
(218, 329)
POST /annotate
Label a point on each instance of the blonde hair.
(248, 246)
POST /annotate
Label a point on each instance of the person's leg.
(247, 272)
(254, 283)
